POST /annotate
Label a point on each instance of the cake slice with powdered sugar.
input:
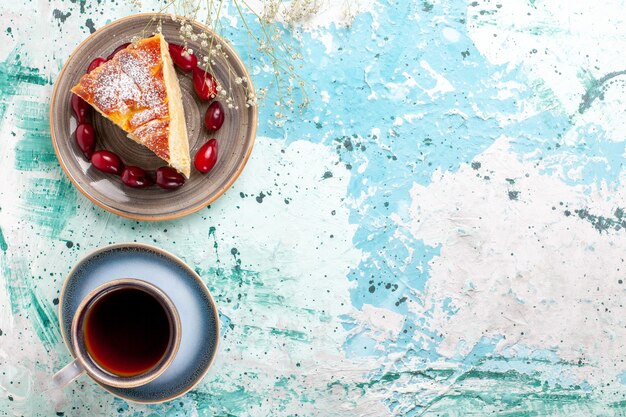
(138, 90)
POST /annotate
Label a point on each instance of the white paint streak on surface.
(442, 85)
(451, 34)
(377, 323)
(516, 267)
(399, 91)
(561, 44)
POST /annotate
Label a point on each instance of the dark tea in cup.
(127, 331)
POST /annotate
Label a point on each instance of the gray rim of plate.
(235, 138)
(146, 394)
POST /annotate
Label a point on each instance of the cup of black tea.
(125, 333)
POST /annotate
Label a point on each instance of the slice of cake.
(138, 90)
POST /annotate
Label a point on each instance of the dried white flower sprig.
(279, 51)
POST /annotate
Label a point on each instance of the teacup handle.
(69, 373)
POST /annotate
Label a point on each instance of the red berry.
(86, 139)
(214, 117)
(206, 157)
(119, 48)
(107, 161)
(136, 177)
(95, 64)
(205, 84)
(169, 178)
(182, 58)
(80, 108)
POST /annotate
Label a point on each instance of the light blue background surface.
(439, 233)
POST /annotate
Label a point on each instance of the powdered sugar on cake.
(130, 86)
(129, 90)
(153, 93)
